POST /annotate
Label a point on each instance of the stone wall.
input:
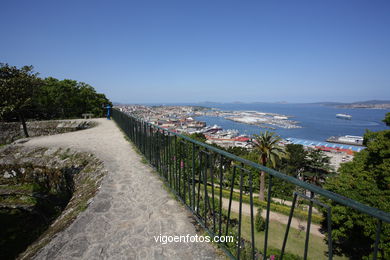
(41, 192)
(10, 132)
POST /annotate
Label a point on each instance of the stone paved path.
(131, 207)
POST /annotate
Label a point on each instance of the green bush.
(286, 256)
(259, 221)
(285, 210)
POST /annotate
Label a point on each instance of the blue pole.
(108, 112)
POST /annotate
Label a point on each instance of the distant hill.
(376, 104)
(209, 102)
(373, 102)
(327, 103)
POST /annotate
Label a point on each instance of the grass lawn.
(295, 241)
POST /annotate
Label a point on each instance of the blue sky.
(195, 50)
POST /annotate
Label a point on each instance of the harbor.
(261, 119)
(185, 119)
(236, 127)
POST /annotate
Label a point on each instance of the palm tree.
(266, 145)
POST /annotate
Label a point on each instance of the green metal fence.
(199, 174)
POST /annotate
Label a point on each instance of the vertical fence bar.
(330, 242)
(267, 216)
(252, 217)
(212, 190)
(206, 197)
(308, 226)
(145, 140)
(165, 147)
(288, 225)
(169, 161)
(133, 125)
(151, 143)
(220, 194)
(161, 154)
(141, 143)
(167, 158)
(377, 239)
(155, 147)
(240, 217)
(136, 134)
(158, 151)
(174, 165)
(230, 199)
(187, 170)
(186, 180)
(199, 177)
(180, 167)
(193, 177)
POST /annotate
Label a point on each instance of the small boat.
(344, 116)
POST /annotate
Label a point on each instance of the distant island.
(371, 104)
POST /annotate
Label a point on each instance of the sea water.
(318, 122)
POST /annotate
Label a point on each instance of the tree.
(296, 161)
(68, 99)
(387, 119)
(17, 90)
(198, 137)
(238, 151)
(60, 99)
(317, 167)
(268, 150)
(365, 179)
(24, 95)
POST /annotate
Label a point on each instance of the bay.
(318, 122)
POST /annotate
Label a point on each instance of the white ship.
(346, 139)
(344, 116)
(211, 129)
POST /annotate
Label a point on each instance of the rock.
(21, 141)
(7, 175)
(45, 193)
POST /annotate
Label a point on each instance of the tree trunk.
(23, 121)
(262, 179)
(262, 186)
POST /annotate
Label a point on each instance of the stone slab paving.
(130, 208)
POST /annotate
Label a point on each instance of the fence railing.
(212, 183)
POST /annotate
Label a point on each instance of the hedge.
(285, 210)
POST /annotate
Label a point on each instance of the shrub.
(259, 221)
(285, 210)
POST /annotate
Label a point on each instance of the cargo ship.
(344, 116)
